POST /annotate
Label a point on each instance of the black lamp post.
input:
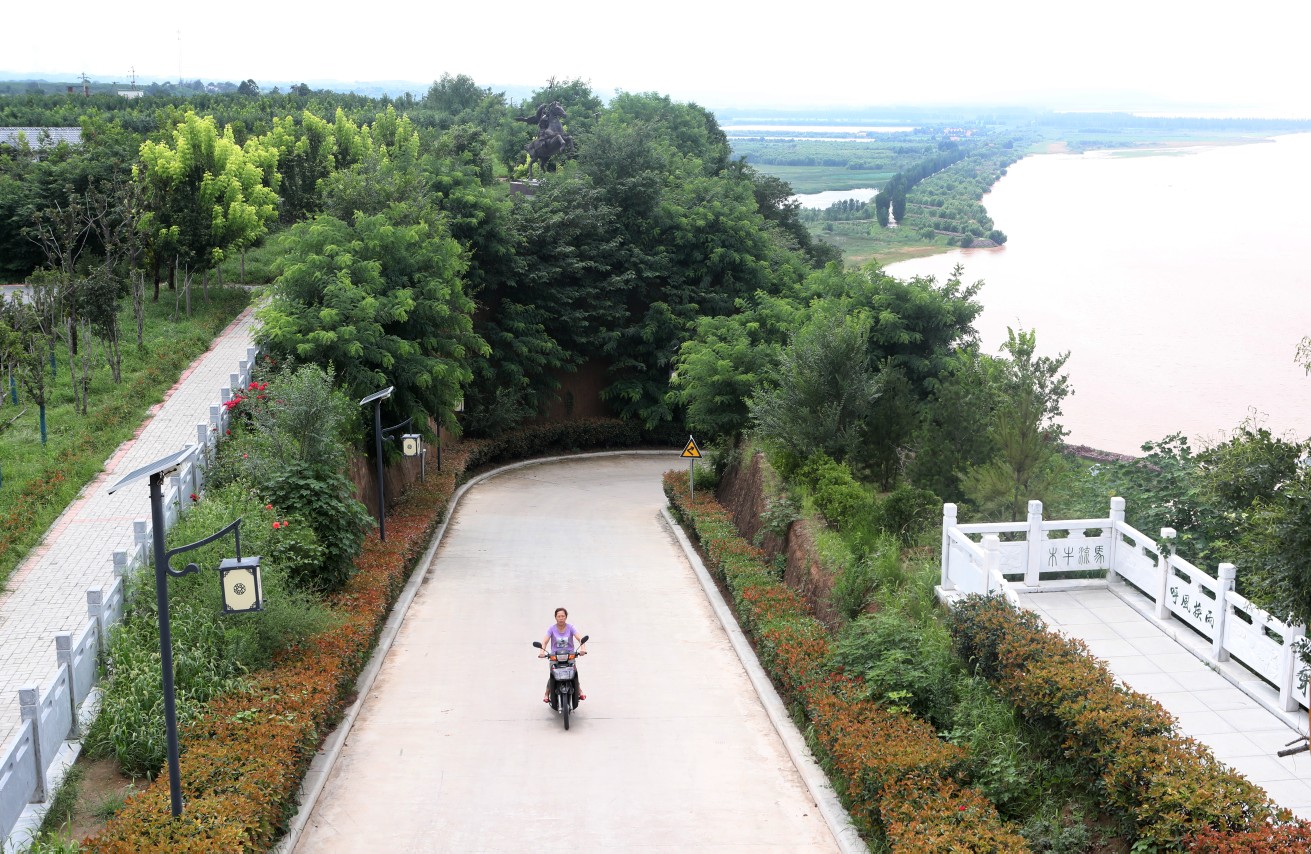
(239, 579)
(376, 399)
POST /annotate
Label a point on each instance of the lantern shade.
(240, 582)
(410, 444)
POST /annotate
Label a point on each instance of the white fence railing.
(1037, 555)
(50, 713)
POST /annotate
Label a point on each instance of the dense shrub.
(903, 663)
(1273, 838)
(907, 512)
(1164, 785)
(560, 437)
(859, 578)
(288, 439)
(900, 780)
(835, 491)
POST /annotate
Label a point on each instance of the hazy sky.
(1114, 53)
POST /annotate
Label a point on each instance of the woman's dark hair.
(558, 610)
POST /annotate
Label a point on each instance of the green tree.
(31, 355)
(718, 371)
(824, 392)
(1276, 574)
(1026, 430)
(953, 434)
(382, 301)
(205, 193)
(915, 325)
(459, 100)
(307, 151)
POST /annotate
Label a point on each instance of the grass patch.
(64, 803)
(262, 263)
(41, 480)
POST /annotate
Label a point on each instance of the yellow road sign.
(692, 450)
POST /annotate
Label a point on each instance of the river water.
(1177, 280)
(827, 198)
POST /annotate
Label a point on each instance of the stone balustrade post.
(64, 655)
(991, 560)
(1033, 543)
(29, 709)
(1113, 549)
(1164, 547)
(1227, 573)
(948, 524)
(1288, 660)
(95, 609)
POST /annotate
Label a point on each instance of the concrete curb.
(321, 768)
(817, 783)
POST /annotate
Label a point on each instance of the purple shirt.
(562, 641)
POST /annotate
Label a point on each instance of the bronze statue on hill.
(551, 137)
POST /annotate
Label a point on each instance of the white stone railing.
(1042, 556)
(50, 713)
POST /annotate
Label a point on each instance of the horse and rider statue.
(551, 137)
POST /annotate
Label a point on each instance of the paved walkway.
(1164, 660)
(453, 749)
(47, 593)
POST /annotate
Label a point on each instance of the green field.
(861, 244)
(816, 179)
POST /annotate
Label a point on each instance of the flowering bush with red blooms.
(1168, 785)
(902, 782)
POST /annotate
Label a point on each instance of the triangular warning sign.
(692, 450)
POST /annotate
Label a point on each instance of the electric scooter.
(564, 679)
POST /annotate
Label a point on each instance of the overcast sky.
(1126, 54)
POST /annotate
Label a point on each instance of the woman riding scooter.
(560, 639)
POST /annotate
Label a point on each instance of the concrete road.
(454, 750)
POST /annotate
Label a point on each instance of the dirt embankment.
(742, 492)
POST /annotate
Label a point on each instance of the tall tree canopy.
(205, 193)
(382, 302)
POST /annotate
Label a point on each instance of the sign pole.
(692, 453)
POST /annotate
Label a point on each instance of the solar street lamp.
(376, 399)
(239, 580)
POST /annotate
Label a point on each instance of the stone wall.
(363, 472)
(742, 492)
